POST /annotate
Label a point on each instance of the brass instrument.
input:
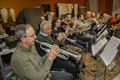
(63, 54)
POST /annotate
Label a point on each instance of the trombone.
(63, 54)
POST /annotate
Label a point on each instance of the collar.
(24, 49)
(55, 28)
(42, 33)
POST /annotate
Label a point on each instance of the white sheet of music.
(110, 50)
(98, 46)
(103, 34)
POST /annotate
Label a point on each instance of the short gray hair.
(21, 31)
(42, 25)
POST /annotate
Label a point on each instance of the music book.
(110, 50)
(98, 46)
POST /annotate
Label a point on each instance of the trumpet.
(63, 54)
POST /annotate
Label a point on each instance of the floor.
(96, 70)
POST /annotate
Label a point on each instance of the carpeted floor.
(95, 69)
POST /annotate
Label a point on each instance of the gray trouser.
(61, 75)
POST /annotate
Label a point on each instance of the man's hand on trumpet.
(53, 52)
(61, 36)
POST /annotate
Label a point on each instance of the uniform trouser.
(88, 38)
(68, 66)
(60, 75)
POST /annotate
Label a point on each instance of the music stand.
(96, 48)
(109, 53)
(100, 43)
(104, 33)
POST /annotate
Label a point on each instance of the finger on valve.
(53, 52)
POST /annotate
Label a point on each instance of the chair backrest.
(31, 16)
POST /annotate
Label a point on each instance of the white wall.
(116, 7)
(93, 5)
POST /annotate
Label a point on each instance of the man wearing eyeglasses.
(27, 64)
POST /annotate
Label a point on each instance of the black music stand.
(109, 53)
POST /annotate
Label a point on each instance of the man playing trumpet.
(45, 36)
(27, 64)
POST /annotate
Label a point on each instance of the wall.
(116, 7)
(93, 5)
(105, 6)
(18, 5)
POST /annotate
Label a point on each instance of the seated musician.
(115, 20)
(66, 20)
(57, 28)
(85, 35)
(27, 64)
(45, 36)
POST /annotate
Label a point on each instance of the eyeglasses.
(58, 22)
(31, 35)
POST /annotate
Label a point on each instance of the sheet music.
(110, 50)
(103, 34)
(98, 46)
(103, 27)
(108, 55)
(7, 51)
(114, 42)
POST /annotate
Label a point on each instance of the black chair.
(31, 16)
